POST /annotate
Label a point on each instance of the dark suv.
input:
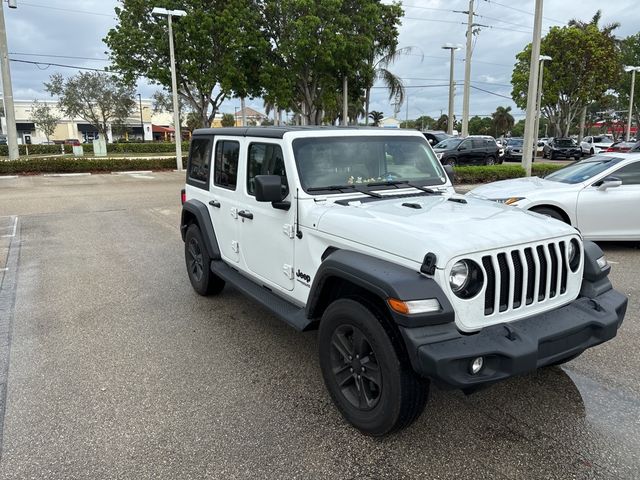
(513, 149)
(472, 150)
(562, 147)
(435, 136)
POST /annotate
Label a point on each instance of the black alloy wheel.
(490, 161)
(366, 368)
(198, 263)
(354, 365)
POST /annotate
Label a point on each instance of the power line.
(522, 11)
(58, 56)
(490, 92)
(69, 10)
(46, 65)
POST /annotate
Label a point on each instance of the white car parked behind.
(596, 144)
(599, 196)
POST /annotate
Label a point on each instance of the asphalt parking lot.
(112, 367)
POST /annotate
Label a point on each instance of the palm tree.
(502, 120)
(607, 30)
(376, 117)
(378, 67)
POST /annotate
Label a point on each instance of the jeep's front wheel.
(366, 370)
(198, 262)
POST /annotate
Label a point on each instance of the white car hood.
(517, 187)
(441, 226)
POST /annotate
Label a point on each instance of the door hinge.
(234, 212)
(235, 246)
(289, 230)
(288, 271)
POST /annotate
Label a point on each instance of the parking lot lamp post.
(633, 71)
(12, 133)
(174, 84)
(543, 58)
(453, 48)
(141, 121)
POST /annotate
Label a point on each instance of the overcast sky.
(47, 31)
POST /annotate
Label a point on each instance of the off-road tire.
(198, 264)
(402, 394)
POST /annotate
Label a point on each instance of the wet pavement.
(117, 369)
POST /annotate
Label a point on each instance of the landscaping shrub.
(494, 173)
(80, 165)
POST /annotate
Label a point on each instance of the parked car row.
(472, 150)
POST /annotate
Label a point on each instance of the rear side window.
(478, 143)
(265, 159)
(630, 175)
(226, 164)
(199, 162)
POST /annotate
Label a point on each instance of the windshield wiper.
(341, 188)
(396, 183)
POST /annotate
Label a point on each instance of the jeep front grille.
(524, 276)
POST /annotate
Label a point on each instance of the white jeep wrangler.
(359, 233)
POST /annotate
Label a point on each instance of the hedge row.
(150, 147)
(494, 173)
(80, 165)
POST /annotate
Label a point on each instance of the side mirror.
(269, 189)
(462, 147)
(449, 171)
(431, 141)
(608, 182)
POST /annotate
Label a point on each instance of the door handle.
(214, 203)
(245, 214)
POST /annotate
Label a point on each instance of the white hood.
(517, 187)
(441, 226)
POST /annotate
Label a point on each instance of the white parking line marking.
(8, 177)
(4, 269)
(132, 172)
(15, 224)
(66, 174)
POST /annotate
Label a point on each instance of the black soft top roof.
(270, 132)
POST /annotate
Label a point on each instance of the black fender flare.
(383, 279)
(200, 213)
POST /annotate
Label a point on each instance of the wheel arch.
(557, 208)
(196, 212)
(346, 273)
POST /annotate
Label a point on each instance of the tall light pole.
(467, 73)
(543, 58)
(7, 89)
(453, 48)
(174, 83)
(529, 127)
(141, 121)
(633, 71)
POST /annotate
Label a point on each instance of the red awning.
(161, 129)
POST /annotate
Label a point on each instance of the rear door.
(612, 214)
(223, 201)
(465, 152)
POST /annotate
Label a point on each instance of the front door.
(267, 233)
(612, 214)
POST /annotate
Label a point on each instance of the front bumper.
(444, 354)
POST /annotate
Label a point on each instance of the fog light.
(476, 365)
(602, 262)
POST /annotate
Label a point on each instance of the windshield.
(330, 162)
(582, 171)
(449, 143)
(440, 136)
(515, 142)
(565, 142)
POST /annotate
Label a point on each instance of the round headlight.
(573, 255)
(459, 276)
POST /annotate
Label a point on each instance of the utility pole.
(529, 125)
(467, 74)
(345, 100)
(453, 48)
(7, 89)
(633, 71)
(543, 58)
(141, 121)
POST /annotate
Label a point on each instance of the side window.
(630, 175)
(199, 162)
(477, 143)
(466, 144)
(226, 164)
(587, 139)
(265, 159)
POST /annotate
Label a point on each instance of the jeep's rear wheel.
(366, 370)
(198, 262)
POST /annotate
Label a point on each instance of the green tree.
(216, 46)
(481, 126)
(441, 123)
(502, 120)
(518, 129)
(193, 121)
(228, 120)
(375, 117)
(314, 45)
(98, 98)
(44, 118)
(585, 64)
